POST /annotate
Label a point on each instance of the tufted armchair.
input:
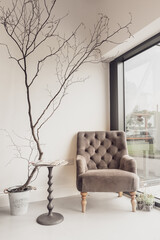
(103, 165)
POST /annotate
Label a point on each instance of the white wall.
(143, 14)
(86, 107)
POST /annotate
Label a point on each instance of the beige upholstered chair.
(103, 165)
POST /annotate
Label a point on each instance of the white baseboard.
(41, 194)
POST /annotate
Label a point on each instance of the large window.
(142, 111)
(135, 100)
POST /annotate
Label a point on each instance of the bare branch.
(32, 25)
(54, 53)
(11, 57)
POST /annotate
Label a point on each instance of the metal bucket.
(18, 201)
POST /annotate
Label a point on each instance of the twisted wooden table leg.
(50, 190)
(50, 218)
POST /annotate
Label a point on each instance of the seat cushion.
(108, 180)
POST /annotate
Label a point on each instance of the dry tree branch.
(41, 61)
(11, 57)
(31, 24)
(18, 148)
(93, 45)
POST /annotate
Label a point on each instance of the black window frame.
(116, 68)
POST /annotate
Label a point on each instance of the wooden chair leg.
(120, 194)
(83, 202)
(133, 201)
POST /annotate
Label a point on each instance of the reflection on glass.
(142, 111)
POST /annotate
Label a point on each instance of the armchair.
(103, 165)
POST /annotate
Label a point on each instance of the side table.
(50, 218)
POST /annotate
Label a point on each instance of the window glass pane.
(142, 112)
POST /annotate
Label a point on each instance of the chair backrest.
(102, 149)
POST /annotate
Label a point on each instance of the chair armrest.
(81, 165)
(128, 163)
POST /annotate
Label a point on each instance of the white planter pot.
(18, 201)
